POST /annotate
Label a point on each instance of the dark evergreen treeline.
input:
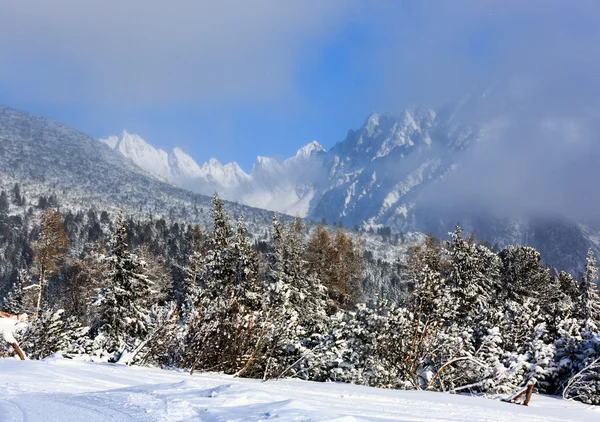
(160, 293)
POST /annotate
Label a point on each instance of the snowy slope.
(65, 390)
(46, 157)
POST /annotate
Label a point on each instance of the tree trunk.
(40, 301)
(18, 350)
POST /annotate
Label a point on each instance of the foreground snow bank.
(66, 390)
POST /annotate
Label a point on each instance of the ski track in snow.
(64, 390)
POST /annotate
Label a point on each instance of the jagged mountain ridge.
(46, 157)
(269, 186)
(371, 178)
(379, 175)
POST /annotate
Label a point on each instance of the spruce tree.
(589, 300)
(471, 278)
(217, 271)
(4, 203)
(14, 302)
(221, 327)
(124, 298)
(307, 293)
(245, 262)
(17, 198)
(191, 277)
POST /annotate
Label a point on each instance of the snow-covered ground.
(65, 390)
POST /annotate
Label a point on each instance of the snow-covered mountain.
(370, 178)
(394, 171)
(272, 185)
(400, 171)
(46, 157)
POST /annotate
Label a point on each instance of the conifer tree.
(589, 300)
(222, 325)
(281, 318)
(17, 197)
(217, 270)
(307, 293)
(4, 203)
(14, 302)
(246, 268)
(471, 278)
(277, 284)
(431, 296)
(54, 332)
(338, 264)
(191, 277)
(124, 298)
(568, 285)
(522, 273)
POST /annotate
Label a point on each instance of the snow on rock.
(132, 146)
(312, 148)
(60, 390)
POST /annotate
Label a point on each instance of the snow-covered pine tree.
(308, 295)
(431, 297)
(589, 299)
(54, 332)
(14, 302)
(124, 314)
(472, 279)
(522, 273)
(281, 320)
(579, 347)
(191, 283)
(217, 269)
(569, 287)
(4, 203)
(221, 328)
(245, 261)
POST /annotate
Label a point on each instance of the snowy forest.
(298, 303)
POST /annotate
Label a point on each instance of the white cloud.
(149, 51)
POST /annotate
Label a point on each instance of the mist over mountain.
(498, 162)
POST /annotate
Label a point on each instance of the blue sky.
(235, 79)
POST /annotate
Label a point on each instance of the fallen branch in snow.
(453, 361)
(527, 392)
(578, 376)
(295, 363)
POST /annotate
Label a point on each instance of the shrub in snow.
(53, 333)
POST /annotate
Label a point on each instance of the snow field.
(64, 390)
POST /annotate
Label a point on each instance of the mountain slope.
(54, 157)
(407, 172)
(46, 157)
